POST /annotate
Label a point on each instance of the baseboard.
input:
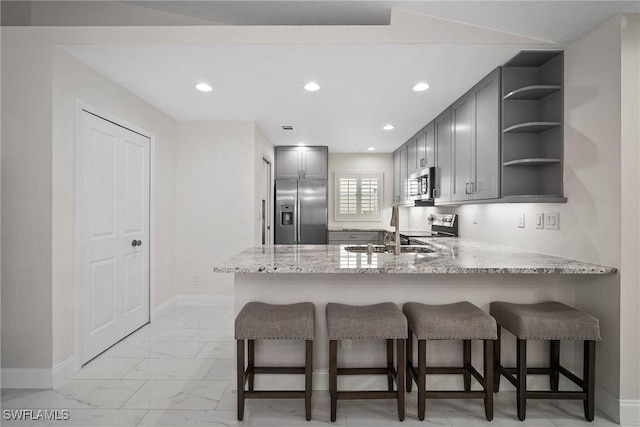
(166, 306)
(63, 371)
(205, 300)
(26, 378)
(630, 413)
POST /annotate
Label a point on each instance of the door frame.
(268, 220)
(79, 107)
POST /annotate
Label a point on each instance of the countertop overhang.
(451, 256)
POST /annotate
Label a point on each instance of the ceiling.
(362, 86)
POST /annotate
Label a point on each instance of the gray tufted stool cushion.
(378, 321)
(261, 321)
(459, 321)
(546, 321)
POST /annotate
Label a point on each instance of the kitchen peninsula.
(458, 269)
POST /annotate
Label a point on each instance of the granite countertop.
(452, 256)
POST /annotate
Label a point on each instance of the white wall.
(630, 224)
(73, 80)
(26, 203)
(364, 162)
(215, 199)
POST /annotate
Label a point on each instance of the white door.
(115, 233)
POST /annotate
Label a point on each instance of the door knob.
(136, 243)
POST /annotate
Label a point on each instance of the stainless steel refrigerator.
(301, 212)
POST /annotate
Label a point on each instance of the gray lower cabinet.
(302, 162)
(355, 237)
(475, 166)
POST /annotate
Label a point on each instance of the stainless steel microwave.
(421, 184)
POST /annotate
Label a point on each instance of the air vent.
(287, 127)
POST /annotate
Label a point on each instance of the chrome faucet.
(395, 222)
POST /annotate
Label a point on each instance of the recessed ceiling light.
(422, 86)
(203, 87)
(388, 127)
(371, 149)
(312, 86)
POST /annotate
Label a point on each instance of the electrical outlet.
(196, 281)
(475, 217)
(346, 343)
(539, 220)
(552, 220)
(520, 219)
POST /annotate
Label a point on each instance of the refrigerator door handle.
(296, 217)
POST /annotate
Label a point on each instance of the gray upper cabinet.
(532, 122)
(475, 167)
(400, 175)
(442, 133)
(397, 177)
(429, 147)
(287, 162)
(315, 162)
(302, 162)
(404, 175)
(412, 154)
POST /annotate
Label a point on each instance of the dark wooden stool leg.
(390, 365)
(488, 379)
(466, 357)
(422, 380)
(251, 356)
(496, 362)
(308, 378)
(521, 366)
(409, 363)
(400, 379)
(589, 375)
(240, 378)
(554, 362)
(333, 377)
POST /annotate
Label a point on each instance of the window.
(358, 196)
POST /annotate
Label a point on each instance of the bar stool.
(260, 321)
(379, 321)
(550, 321)
(459, 321)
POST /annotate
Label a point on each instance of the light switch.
(520, 219)
(474, 217)
(552, 220)
(539, 220)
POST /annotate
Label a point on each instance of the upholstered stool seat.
(260, 321)
(458, 321)
(379, 321)
(553, 322)
(546, 321)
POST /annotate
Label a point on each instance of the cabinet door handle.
(466, 188)
(471, 186)
(422, 162)
(434, 193)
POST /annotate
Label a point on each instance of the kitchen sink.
(376, 249)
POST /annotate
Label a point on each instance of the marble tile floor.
(179, 372)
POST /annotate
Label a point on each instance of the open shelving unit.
(532, 127)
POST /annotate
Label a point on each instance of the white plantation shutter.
(358, 196)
